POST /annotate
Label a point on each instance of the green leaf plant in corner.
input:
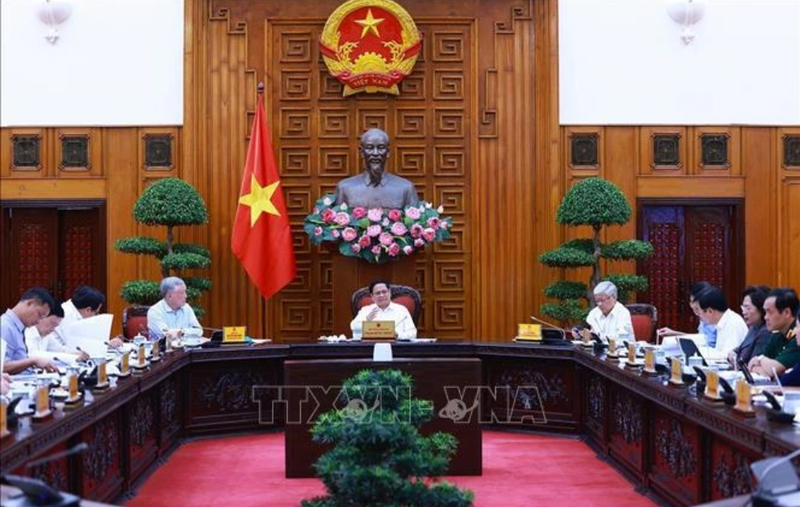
(596, 203)
(168, 202)
(380, 458)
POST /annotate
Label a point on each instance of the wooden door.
(29, 257)
(58, 248)
(81, 251)
(693, 241)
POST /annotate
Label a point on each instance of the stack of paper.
(89, 335)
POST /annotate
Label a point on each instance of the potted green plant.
(168, 202)
(597, 203)
(380, 458)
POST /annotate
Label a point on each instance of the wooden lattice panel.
(316, 132)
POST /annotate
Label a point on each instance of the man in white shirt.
(731, 327)
(610, 318)
(382, 308)
(172, 316)
(85, 302)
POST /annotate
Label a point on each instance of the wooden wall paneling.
(583, 156)
(548, 177)
(666, 151)
(504, 174)
(583, 151)
(689, 187)
(30, 167)
(120, 160)
(150, 171)
(315, 131)
(760, 205)
(716, 151)
(160, 140)
(316, 144)
(622, 157)
(788, 166)
(789, 273)
(52, 189)
(233, 299)
(5, 153)
(68, 153)
(446, 181)
(148, 267)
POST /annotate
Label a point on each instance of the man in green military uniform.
(782, 352)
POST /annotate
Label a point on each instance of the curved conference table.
(664, 439)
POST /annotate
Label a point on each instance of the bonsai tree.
(168, 202)
(380, 457)
(597, 203)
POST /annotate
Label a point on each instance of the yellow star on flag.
(260, 199)
(370, 24)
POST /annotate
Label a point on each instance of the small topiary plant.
(380, 457)
(168, 202)
(597, 203)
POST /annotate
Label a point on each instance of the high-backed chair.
(401, 294)
(645, 321)
(134, 320)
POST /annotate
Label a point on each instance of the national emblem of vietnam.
(370, 45)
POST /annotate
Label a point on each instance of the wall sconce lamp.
(686, 13)
(53, 14)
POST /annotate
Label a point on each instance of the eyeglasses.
(380, 293)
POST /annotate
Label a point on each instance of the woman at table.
(758, 335)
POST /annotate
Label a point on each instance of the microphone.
(75, 449)
(551, 326)
(38, 492)
(787, 482)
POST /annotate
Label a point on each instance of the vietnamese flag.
(262, 238)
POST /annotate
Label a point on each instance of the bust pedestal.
(352, 273)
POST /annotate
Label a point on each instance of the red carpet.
(519, 470)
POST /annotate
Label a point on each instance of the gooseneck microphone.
(75, 449)
(551, 326)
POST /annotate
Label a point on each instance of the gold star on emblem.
(260, 200)
(370, 24)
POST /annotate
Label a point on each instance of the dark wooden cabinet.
(665, 439)
(676, 465)
(595, 409)
(531, 395)
(694, 241)
(628, 431)
(56, 247)
(101, 466)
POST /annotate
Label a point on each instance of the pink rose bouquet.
(376, 235)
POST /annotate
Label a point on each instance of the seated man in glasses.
(382, 308)
(610, 318)
(173, 317)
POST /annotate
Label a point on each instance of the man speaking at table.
(382, 308)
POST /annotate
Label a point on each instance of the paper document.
(89, 335)
(672, 346)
